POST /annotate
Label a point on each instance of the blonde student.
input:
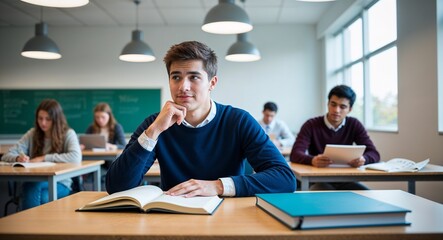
(105, 123)
(50, 140)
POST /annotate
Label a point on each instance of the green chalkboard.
(130, 107)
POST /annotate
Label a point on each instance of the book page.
(140, 196)
(194, 205)
(33, 164)
(398, 165)
(401, 163)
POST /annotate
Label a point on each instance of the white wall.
(287, 73)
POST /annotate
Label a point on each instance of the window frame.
(343, 71)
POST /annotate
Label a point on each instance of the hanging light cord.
(137, 2)
(41, 14)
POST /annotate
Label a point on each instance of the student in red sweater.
(333, 128)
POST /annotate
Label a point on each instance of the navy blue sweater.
(213, 151)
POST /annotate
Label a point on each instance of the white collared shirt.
(149, 144)
(329, 125)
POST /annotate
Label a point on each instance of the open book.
(33, 164)
(151, 198)
(398, 165)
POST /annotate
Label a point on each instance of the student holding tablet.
(334, 128)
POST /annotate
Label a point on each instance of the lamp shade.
(227, 18)
(58, 3)
(242, 50)
(136, 50)
(41, 46)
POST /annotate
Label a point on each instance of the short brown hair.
(192, 50)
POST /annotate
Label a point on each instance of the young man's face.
(189, 84)
(268, 116)
(338, 109)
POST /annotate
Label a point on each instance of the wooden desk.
(52, 174)
(236, 218)
(307, 174)
(106, 155)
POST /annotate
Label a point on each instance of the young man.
(200, 145)
(276, 129)
(333, 128)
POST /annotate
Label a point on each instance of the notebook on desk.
(93, 141)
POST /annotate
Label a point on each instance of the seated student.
(200, 145)
(50, 140)
(333, 128)
(277, 130)
(105, 124)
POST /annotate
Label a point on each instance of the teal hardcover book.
(310, 210)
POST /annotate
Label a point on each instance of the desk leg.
(97, 179)
(304, 184)
(411, 186)
(52, 189)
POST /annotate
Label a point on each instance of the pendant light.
(242, 50)
(41, 46)
(227, 18)
(136, 50)
(58, 3)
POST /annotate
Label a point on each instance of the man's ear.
(350, 109)
(212, 83)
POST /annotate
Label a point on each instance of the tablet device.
(91, 141)
(342, 154)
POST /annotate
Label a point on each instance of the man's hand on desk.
(357, 162)
(321, 161)
(193, 187)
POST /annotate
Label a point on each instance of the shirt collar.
(208, 118)
(329, 125)
(272, 124)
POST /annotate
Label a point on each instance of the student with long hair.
(105, 124)
(50, 140)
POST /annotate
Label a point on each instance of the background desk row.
(308, 174)
(53, 174)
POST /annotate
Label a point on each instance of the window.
(365, 58)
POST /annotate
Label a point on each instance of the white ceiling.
(15, 13)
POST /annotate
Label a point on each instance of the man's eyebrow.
(190, 72)
(194, 73)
